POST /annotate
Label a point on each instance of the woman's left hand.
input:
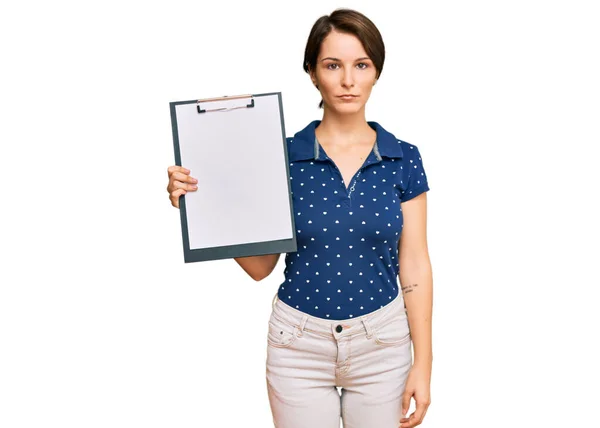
(417, 386)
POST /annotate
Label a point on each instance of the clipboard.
(235, 146)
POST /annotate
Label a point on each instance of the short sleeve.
(414, 174)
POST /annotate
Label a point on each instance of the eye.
(336, 65)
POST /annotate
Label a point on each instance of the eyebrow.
(337, 59)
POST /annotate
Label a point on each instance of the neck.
(348, 128)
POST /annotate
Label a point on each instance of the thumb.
(405, 403)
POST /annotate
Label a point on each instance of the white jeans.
(368, 357)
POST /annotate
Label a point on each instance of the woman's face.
(343, 67)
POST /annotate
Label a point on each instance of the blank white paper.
(239, 160)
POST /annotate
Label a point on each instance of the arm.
(416, 279)
(258, 267)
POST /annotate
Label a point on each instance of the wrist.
(423, 360)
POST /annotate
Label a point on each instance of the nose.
(348, 78)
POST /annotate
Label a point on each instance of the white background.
(103, 325)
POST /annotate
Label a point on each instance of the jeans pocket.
(281, 334)
(393, 332)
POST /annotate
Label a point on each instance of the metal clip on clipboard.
(224, 98)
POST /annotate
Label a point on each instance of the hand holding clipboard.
(240, 203)
(180, 183)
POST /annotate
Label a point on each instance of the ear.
(313, 76)
(315, 82)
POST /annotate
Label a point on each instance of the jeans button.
(338, 329)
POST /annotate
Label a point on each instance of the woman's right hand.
(178, 183)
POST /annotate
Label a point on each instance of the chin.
(348, 108)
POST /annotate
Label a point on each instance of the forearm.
(258, 267)
(416, 281)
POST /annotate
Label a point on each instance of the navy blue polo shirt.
(346, 264)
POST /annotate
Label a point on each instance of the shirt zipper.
(350, 190)
(354, 184)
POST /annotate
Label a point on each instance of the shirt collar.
(304, 144)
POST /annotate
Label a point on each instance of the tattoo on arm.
(409, 288)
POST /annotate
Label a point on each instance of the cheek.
(326, 86)
(367, 85)
(365, 90)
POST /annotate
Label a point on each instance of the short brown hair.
(345, 21)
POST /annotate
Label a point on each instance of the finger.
(174, 168)
(174, 197)
(423, 417)
(186, 178)
(405, 402)
(180, 176)
(179, 185)
(416, 417)
(424, 412)
(408, 422)
(419, 412)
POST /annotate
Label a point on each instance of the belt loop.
(302, 325)
(365, 321)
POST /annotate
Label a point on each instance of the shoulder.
(407, 148)
(411, 161)
(410, 151)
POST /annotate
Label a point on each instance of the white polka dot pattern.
(346, 264)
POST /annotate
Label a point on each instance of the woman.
(339, 319)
